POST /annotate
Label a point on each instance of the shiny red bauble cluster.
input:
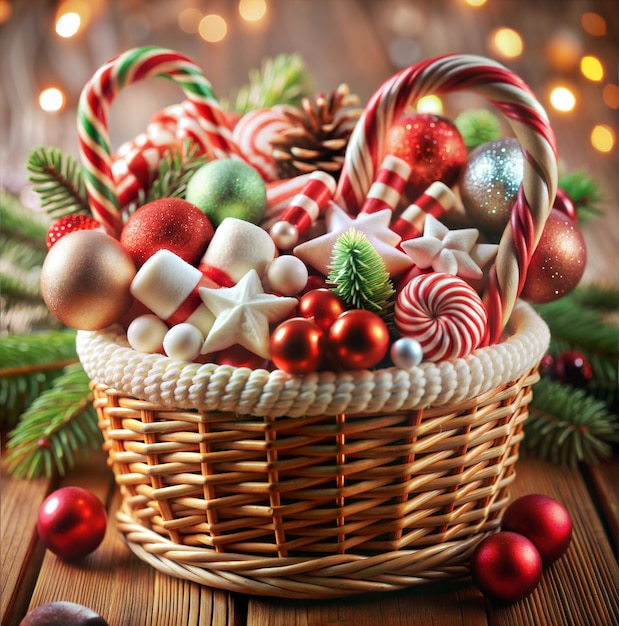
(326, 334)
(535, 531)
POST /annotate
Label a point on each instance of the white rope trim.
(107, 358)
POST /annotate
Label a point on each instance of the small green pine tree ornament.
(359, 276)
(478, 126)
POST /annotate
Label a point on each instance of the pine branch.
(22, 225)
(282, 80)
(584, 192)
(359, 276)
(28, 365)
(58, 180)
(567, 426)
(175, 169)
(477, 126)
(60, 423)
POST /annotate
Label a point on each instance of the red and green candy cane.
(97, 96)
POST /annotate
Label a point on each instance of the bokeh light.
(189, 20)
(592, 68)
(562, 99)
(506, 42)
(610, 95)
(252, 10)
(593, 24)
(475, 3)
(213, 28)
(68, 24)
(5, 11)
(51, 99)
(603, 138)
(564, 50)
(430, 104)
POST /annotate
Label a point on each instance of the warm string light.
(592, 68)
(213, 28)
(430, 104)
(5, 11)
(252, 10)
(562, 99)
(51, 100)
(603, 138)
(506, 43)
(68, 24)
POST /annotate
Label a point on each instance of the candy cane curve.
(529, 122)
(96, 98)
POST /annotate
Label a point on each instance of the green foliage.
(281, 80)
(359, 276)
(567, 426)
(58, 425)
(57, 178)
(584, 192)
(478, 126)
(29, 364)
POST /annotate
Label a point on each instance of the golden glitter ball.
(85, 280)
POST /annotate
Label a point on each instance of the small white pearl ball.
(146, 332)
(287, 275)
(284, 235)
(406, 353)
(183, 342)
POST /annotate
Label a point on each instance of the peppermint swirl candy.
(443, 313)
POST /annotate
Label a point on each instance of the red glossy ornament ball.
(323, 306)
(171, 224)
(71, 522)
(506, 566)
(239, 356)
(298, 346)
(431, 145)
(558, 263)
(544, 521)
(359, 339)
(573, 368)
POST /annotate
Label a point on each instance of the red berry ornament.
(171, 224)
(506, 566)
(573, 368)
(359, 339)
(544, 521)
(298, 346)
(431, 145)
(71, 522)
(323, 306)
(69, 223)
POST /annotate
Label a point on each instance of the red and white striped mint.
(443, 313)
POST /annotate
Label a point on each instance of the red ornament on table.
(323, 306)
(171, 224)
(558, 263)
(506, 566)
(71, 522)
(431, 145)
(298, 346)
(542, 520)
(359, 339)
(69, 223)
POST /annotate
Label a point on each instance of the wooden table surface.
(582, 588)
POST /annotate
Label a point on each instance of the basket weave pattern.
(261, 504)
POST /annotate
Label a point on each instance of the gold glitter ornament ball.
(489, 184)
(558, 263)
(85, 280)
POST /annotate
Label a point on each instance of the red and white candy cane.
(96, 98)
(530, 125)
(386, 190)
(434, 201)
(279, 196)
(304, 209)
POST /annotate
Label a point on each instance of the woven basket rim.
(107, 358)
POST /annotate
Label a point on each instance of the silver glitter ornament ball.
(489, 184)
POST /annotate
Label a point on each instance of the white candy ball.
(146, 333)
(287, 275)
(284, 235)
(406, 353)
(183, 342)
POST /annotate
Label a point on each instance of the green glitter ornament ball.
(489, 184)
(228, 188)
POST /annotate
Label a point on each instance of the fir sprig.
(57, 426)
(567, 426)
(58, 180)
(585, 192)
(29, 364)
(281, 80)
(357, 273)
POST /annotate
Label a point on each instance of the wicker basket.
(326, 484)
(317, 505)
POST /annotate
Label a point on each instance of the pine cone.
(319, 134)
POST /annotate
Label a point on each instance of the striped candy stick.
(435, 200)
(387, 188)
(279, 195)
(304, 209)
(96, 98)
(530, 125)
